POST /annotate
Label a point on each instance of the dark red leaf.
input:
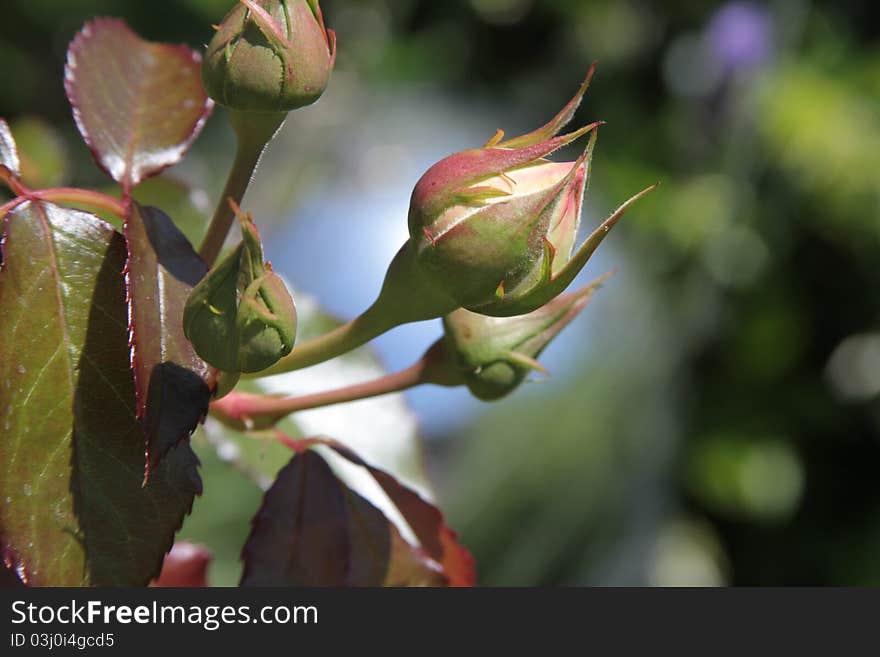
(138, 104)
(313, 530)
(75, 512)
(186, 565)
(437, 540)
(172, 384)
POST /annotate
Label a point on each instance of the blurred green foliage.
(703, 438)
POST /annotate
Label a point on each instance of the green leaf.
(172, 384)
(313, 530)
(71, 450)
(138, 105)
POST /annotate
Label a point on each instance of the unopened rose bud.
(266, 323)
(269, 56)
(240, 317)
(495, 354)
(494, 227)
(266, 319)
(491, 230)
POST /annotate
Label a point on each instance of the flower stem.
(246, 411)
(86, 197)
(351, 335)
(405, 297)
(11, 180)
(254, 131)
(9, 206)
(69, 196)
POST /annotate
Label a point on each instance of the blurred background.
(713, 416)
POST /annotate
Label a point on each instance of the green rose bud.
(270, 56)
(240, 317)
(495, 354)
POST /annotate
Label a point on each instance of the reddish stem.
(12, 181)
(9, 206)
(65, 195)
(298, 446)
(247, 411)
(75, 196)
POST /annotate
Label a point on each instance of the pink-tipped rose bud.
(494, 227)
(270, 56)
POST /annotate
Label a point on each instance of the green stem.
(405, 297)
(372, 323)
(254, 131)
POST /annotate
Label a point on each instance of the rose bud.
(494, 227)
(266, 318)
(240, 317)
(491, 230)
(495, 354)
(269, 56)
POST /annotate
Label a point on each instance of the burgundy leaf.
(437, 540)
(172, 384)
(313, 530)
(138, 104)
(76, 511)
(186, 565)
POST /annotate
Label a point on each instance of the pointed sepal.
(495, 354)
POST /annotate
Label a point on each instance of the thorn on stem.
(496, 138)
